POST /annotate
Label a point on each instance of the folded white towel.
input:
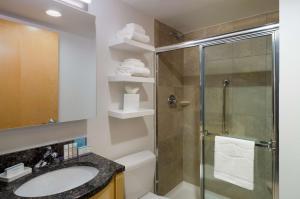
(133, 27)
(133, 71)
(234, 161)
(133, 36)
(133, 62)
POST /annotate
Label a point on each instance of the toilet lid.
(152, 196)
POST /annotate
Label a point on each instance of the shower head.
(177, 35)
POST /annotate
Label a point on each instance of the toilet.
(139, 175)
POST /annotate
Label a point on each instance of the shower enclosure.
(227, 86)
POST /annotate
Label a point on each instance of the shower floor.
(190, 191)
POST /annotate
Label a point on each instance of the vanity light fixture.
(86, 1)
(53, 13)
(77, 3)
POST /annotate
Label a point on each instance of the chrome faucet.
(49, 157)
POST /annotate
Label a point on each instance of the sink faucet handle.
(48, 151)
(54, 155)
(48, 157)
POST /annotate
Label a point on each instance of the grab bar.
(224, 127)
(270, 145)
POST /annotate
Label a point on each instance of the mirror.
(45, 76)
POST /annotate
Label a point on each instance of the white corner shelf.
(130, 114)
(131, 46)
(115, 78)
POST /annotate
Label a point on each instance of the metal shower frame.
(272, 30)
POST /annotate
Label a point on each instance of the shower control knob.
(172, 100)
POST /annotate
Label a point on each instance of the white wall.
(108, 136)
(289, 159)
(31, 137)
(77, 77)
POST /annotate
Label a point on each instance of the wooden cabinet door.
(107, 193)
(114, 190)
(28, 75)
(120, 186)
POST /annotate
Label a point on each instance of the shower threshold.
(190, 191)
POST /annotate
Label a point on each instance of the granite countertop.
(107, 170)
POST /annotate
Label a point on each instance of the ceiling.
(189, 15)
(72, 20)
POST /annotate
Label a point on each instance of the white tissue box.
(131, 102)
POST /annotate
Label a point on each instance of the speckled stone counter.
(107, 170)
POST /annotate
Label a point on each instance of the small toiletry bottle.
(66, 151)
(71, 150)
(75, 152)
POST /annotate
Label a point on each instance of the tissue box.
(131, 102)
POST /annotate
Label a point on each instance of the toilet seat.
(152, 196)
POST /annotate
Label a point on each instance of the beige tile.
(249, 79)
(191, 62)
(214, 100)
(259, 46)
(249, 100)
(269, 62)
(191, 157)
(170, 150)
(273, 17)
(162, 35)
(249, 64)
(192, 80)
(242, 48)
(217, 67)
(170, 69)
(198, 34)
(250, 22)
(169, 176)
(224, 51)
(169, 126)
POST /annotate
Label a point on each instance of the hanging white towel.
(234, 161)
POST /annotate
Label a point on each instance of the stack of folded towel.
(133, 67)
(135, 32)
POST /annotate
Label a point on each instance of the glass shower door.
(238, 95)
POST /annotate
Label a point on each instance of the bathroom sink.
(57, 181)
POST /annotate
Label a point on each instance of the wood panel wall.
(29, 59)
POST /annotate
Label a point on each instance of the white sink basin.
(57, 181)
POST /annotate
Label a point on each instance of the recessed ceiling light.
(53, 13)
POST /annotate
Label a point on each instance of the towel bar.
(270, 145)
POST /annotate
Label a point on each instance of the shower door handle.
(269, 145)
(224, 126)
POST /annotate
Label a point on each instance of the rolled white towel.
(133, 36)
(133, 27)
(141, 72)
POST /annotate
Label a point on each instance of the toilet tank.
(139, 173)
